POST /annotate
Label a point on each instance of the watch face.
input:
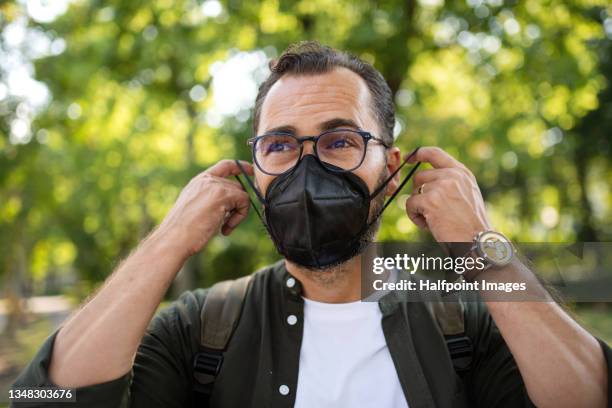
(495, 248)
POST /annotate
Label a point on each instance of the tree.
(516, 90)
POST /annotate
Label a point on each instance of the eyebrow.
(334, 123)
(338, 123)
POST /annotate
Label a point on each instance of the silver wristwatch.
(494, 248)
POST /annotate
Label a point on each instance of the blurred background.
(107, 109)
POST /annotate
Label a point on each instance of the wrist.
(466, 234)
(167, 243)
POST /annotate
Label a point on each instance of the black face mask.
(318, 217)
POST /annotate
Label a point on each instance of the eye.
(277, 147)
(340, 140)
(338, 144)
(277, 144)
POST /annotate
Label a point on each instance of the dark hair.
(310, 57)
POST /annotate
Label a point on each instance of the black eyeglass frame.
(367, 136)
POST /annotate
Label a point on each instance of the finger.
(415, 209)
(236, 218)
(226, 168)
(435, 156)
(203, 181)
(233, 184)
(237, 214)
(248, 167)
(429, 176)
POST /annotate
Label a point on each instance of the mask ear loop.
(250, 182)
(399, 188)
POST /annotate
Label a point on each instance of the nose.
(308, 147)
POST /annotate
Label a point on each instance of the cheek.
(262, 181)
(372, 169)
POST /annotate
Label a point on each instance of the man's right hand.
(208, 204)
(88, 349)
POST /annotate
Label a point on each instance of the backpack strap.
(449, 315)
(218, 319)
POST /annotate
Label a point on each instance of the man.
(324, 122)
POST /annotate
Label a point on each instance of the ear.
(394, 160)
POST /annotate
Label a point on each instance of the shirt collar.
(292, 289)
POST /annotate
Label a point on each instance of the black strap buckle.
(460, 349)
(206, 366)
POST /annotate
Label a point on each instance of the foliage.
(519, 91)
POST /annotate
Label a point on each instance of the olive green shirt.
(264, 352)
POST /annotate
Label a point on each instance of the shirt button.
(292, 319)
(283, 389)
(290, 282)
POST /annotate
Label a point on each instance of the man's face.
(307, 105)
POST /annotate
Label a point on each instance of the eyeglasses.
(338, 150)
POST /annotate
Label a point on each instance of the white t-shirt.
(344, 359)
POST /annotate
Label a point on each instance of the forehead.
(305, 101)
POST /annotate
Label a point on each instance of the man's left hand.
(446, 200)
